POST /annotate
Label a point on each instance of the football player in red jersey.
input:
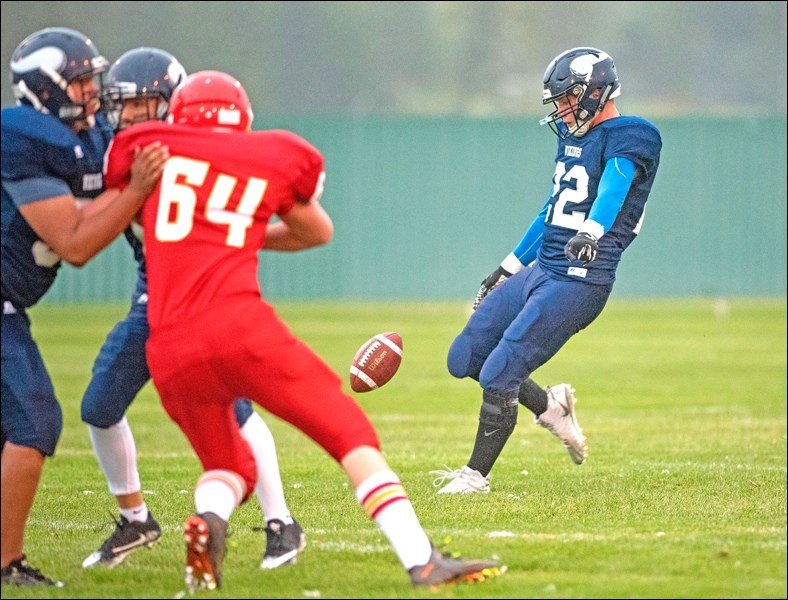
(137, 88)
(212, 336)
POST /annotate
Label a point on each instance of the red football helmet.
(211, 99)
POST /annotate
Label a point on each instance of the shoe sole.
(578, 456)
(97, 559)
(469, 490)
(288, 558)
(483, 575)
(199, 572)
(23, 580)
(470, 578)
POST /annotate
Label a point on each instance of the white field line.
(666, 468)
(362, 548)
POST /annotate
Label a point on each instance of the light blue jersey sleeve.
(613, 189)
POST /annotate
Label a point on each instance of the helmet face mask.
(211, 99)
(579, 82)
(139, 85)
(85, 96)
(127, 111)
(53, 71)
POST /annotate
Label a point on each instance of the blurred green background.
(439, 58)
(426, 113)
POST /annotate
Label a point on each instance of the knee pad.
(458, 359)
(102, 414)
(111, 391)
(48, 431)
(499, 410)
(243, 410)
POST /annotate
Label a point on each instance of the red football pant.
(243, 350)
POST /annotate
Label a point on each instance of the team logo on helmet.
(583, 66)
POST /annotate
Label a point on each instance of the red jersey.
(212, 337)
(207, 218)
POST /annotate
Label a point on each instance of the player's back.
(208, 217)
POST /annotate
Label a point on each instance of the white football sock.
(117, 457)
(137, 513)
(384, 499)
(220, 492)
(269, 482)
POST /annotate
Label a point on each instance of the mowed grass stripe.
(683, 494)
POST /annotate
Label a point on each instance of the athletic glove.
(490, 282)
(582, 247)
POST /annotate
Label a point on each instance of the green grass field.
(683, 495)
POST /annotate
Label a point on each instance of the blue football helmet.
(587, 78)
(141, 73)
(46, 62)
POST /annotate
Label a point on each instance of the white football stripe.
(383, 339)
(354, 370)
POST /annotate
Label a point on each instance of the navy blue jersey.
(136, 246)
(580, 163)
(42, 158)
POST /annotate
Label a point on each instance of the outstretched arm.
(77, 231)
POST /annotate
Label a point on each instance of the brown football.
(376, 362)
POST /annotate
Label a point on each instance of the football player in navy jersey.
(558, 278)
(137, 88)
(54, 208)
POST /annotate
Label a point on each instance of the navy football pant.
(121, 370)
(31, 414)
(520, 325)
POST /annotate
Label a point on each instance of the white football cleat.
(462, 481)
(559, 419)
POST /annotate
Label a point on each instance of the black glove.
(582, 247)
(492, 281)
